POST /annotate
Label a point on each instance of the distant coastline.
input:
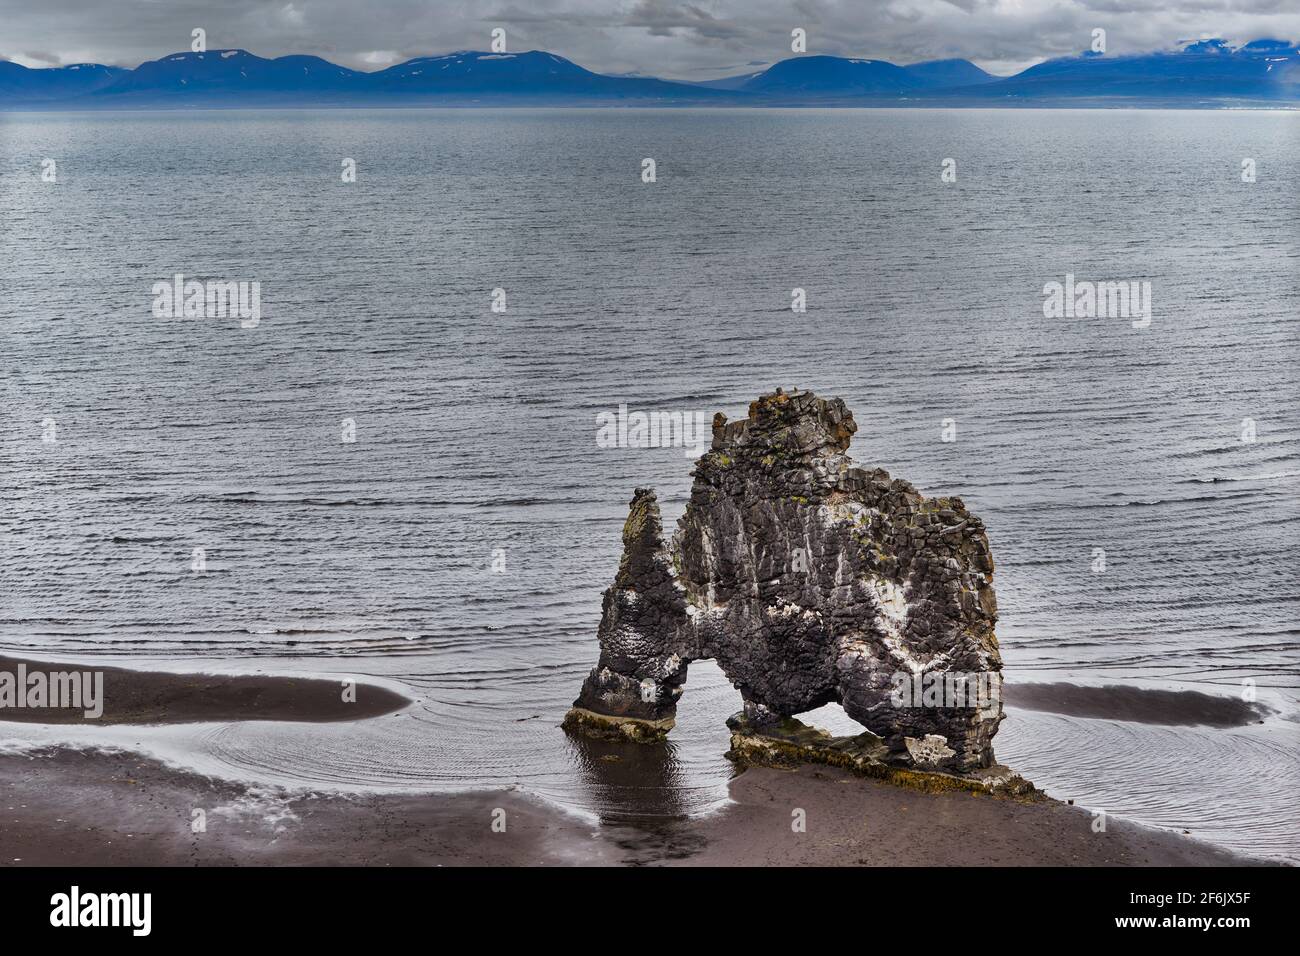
(1208, 74)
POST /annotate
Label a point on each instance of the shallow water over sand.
(476, 431)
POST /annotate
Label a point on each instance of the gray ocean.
(458, 547)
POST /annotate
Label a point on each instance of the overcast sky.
(700, 39)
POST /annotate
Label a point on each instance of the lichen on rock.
(810, 580)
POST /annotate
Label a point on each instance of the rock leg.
(644, 638)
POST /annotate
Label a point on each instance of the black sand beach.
(98, 808)
(106, 807)
(156, 697)
(1137, 704)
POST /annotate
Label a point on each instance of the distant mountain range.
(833, 76)
(1207, 73)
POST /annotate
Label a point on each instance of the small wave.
(1272, 476)
(258, 498)
(527, 502)
(1156, 502)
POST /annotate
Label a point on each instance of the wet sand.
(156, 697)
(96, 807)
(100, 808)
(1137, 704)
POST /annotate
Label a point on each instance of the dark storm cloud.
(665, 37)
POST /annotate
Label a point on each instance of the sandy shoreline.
(1143, 705)
(105, 807)
(158, 697)
(61, 807)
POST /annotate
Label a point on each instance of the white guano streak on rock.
(892, 611)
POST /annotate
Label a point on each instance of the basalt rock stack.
(810, 580)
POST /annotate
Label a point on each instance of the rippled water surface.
(475, 431)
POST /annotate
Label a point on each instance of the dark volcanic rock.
(810, 580)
